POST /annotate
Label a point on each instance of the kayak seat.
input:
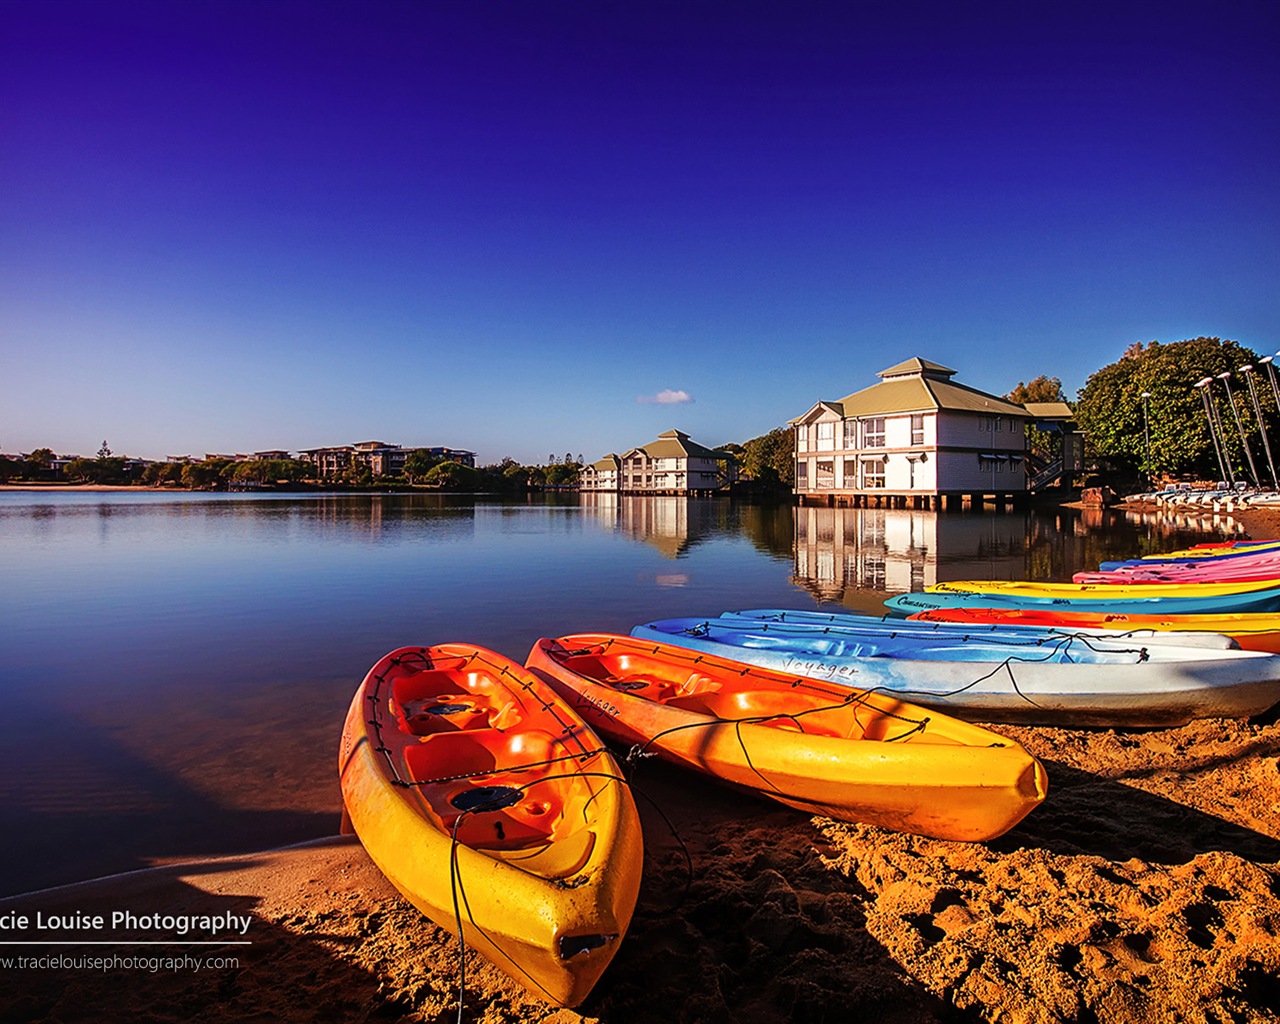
(498, 791)
(430, 702)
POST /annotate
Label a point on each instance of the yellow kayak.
(494, 809)
(817, 746)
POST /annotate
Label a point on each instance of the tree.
(418, 463)
(564, 474)
(452, 476)
(41, 459)
(771, 458)
(85, 471)
(1111, 411)
(104, 452)
(1042, 389)
(1043, 445)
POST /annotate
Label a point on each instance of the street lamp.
(1247, 370)
(1146, 437)
(1205, 386)
(1235, 414)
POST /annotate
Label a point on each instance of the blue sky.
(512, 226)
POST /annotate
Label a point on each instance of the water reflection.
(852, 556)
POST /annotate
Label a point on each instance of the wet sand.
(1145, 888)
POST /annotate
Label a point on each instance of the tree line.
(421, 469)
(1178, 430)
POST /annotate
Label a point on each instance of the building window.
(825, 478)
(997, 421)
(826, 436)
(850, 472)
(872, 473)
(873, 432)
(802, 437)
(851, 433)
(917, 428)
(802, 473)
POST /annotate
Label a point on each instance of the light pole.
(1247, 370)
(1235, 414)
(1146, 437)
(1215, 428)
(1271, 372)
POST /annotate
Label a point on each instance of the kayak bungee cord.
(1057, 641)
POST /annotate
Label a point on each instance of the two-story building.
(673, 464)
(917, 439)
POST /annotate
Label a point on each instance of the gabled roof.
(610, 461)
(819, 407)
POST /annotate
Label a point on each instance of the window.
(826, 436)
(802, 436)
(872, 474)
(802, 473)
(873, 432)
(851, 436)
(850, 472)
(997, 421)
(825, 477)
(917, 428)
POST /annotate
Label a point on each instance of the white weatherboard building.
(917, 439)
(672, 465)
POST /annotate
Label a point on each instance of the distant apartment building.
(380, 458)
(672, 465)
(916, 439)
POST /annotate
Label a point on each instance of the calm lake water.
(176, 667)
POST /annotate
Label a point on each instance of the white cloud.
(666, 397)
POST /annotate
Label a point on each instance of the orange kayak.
(1253, 631)
(496, 811)
(819, 747)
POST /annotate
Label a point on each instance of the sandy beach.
(1145, 888)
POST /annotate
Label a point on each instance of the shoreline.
(1146, 887)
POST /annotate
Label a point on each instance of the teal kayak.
(1261, 600)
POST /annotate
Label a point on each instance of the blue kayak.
(934, 631)
(1049, 680)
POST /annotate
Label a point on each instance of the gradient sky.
(540, 227)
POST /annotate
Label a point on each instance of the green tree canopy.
(1110, 409)
(452, 476)
(418, 463)
(771, 458)
(41, 458)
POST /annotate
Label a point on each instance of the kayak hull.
(1141, 685)
(467, 780)
(816, 747)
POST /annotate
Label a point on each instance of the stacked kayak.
(1151, 598)
(1200, 554)
(487, 801)
(1252, 631)
(819, 747)
(995, 675)
(1235, 568)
